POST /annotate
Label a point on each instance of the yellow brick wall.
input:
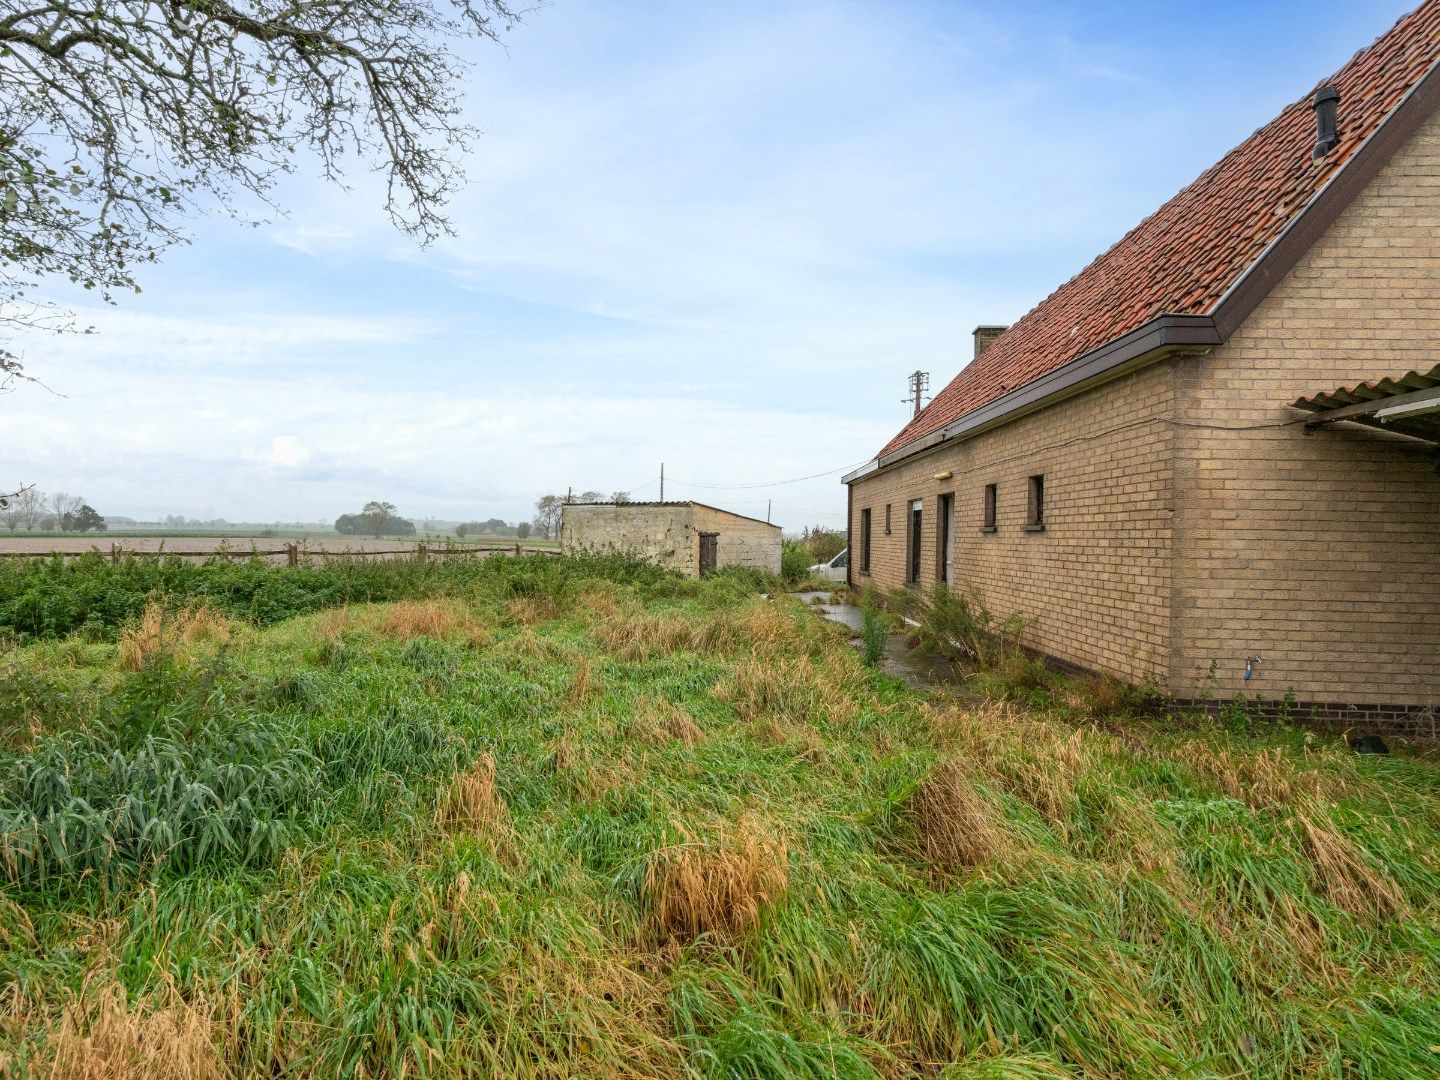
(1320, 553)
(1094, 587)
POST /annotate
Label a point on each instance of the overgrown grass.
(542, 817)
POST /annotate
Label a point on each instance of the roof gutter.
(1160, 337)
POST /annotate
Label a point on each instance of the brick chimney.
(984, 335)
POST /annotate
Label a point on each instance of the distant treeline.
(371, 525)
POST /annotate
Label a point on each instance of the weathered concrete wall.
(1320, 553)
(669, 534)
(741, 541)
(659, 533)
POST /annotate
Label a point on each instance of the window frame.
(1034, 503)
(944, 535)
(865, 525)
(990, 508)
(914, 541)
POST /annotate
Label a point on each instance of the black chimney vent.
(1327, 134)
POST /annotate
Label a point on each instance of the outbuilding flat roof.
(679, 502)
(1409, 404)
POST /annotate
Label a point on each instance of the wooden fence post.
(114, 552)
(292, 554)
(420, 552)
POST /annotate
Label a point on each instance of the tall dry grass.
(790, 690)
(660, 722)
(104, 1035)
(532, 610)
(1345, 876)
(160, 634)
(951, 825)
(1264, 780)
(759, 629)
(472, 801)
(441, 619)
(1037, 761)
(405, 620)
(716, 886)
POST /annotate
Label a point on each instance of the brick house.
(1213, 451)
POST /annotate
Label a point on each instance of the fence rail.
(294, 553)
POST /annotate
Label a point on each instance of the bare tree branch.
(118, 118)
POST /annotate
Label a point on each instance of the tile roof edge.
(1259, 278)
(1328, 203)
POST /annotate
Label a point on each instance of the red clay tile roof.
(1183, 258)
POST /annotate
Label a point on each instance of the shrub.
(824, 544)
(795, 562)
(48, 598)
(874, 634)
(954, 623)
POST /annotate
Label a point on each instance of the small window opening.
(1035, 511)
(987, 521)
(887, 519)
(865, 540)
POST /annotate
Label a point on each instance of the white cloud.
(717, 236)
(303, 444)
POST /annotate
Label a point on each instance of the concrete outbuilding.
(690, 537)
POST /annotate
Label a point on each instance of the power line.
(771, 483)
(808, 510)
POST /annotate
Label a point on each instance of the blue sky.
(717, 235)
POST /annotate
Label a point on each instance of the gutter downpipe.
(849, 537)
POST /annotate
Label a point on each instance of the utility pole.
(768, 504)
(919, 382)
(662, 481)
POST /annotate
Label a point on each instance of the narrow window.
(1035, 509)
(913, 536)
(865, 540)
(945, 544)
(988, 517)
(887, 519)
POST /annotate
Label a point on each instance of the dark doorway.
(945, 548)
(912, 571)
(709, 552)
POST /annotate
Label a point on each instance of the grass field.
(544, 817)
(202, 542)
